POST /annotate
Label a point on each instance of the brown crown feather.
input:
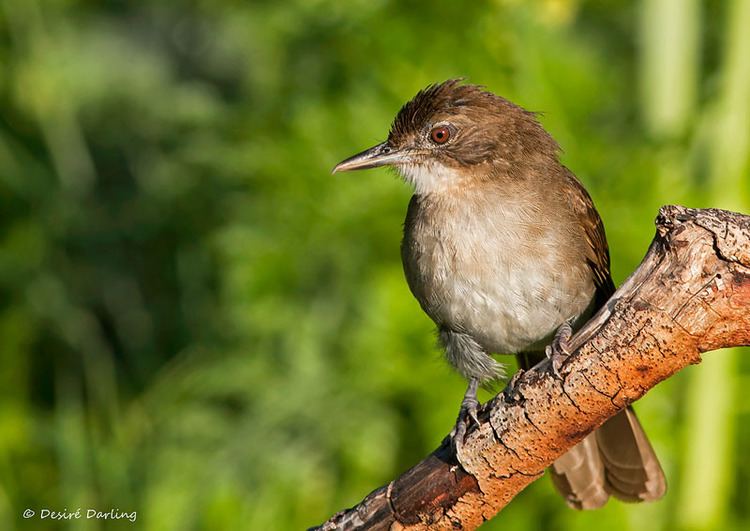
(498, 127)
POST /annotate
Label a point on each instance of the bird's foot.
(466, 416)
(559, 350)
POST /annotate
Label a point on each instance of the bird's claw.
(466, 416)
(559, 350)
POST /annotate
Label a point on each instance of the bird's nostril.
(386, 149)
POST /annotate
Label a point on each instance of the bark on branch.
(691, 294)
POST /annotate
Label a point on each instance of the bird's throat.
(432, 177)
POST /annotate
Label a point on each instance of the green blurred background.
(199, 323)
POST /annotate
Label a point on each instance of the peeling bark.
(691, 294)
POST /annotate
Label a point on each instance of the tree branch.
(691, 294)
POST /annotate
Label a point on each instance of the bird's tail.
(615, 460)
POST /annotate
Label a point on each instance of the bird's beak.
(380, 155)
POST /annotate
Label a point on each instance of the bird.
(506, 253)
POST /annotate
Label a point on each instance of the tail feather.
(633, 471)
(617, 459)
(579, 476)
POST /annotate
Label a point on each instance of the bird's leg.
(559, 350)
(466, 415)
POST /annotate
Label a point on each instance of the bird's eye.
(440, 134)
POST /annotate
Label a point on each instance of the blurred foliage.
(199, 323)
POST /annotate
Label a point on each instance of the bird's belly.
(509, 301)
(504, 316)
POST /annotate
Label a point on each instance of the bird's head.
(451, 132)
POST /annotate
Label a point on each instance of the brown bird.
(503, 247)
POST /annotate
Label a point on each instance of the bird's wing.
(597, 248)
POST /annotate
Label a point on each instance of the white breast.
(489, 267)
